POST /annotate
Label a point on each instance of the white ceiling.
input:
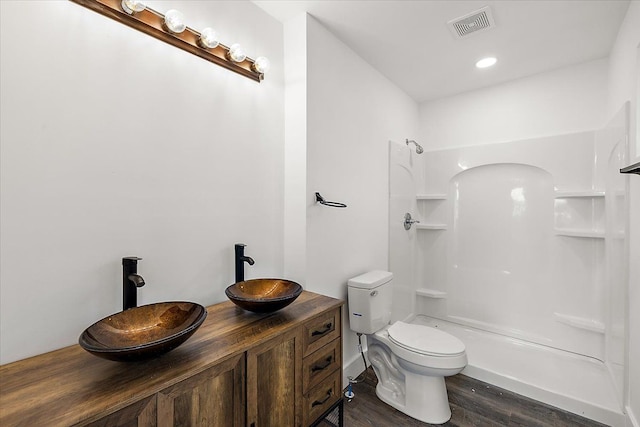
(410, 43)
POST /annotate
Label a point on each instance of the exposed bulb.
(236, 53)
(174, 21)
(209, 38)
(132, 6)
(261, 65)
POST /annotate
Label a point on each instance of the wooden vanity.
(239, 369)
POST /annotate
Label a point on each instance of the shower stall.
(520, 252)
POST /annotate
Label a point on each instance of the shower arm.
(419, 149)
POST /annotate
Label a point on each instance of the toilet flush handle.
(373, 293)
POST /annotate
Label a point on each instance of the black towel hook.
(322, 201)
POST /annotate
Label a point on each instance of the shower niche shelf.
(583, 210)
(587, 234)
(431, 293)
(578, 194)
(432, 227)
(431, 196)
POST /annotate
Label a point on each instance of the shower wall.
(512, 238)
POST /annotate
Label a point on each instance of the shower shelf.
(431, 196)
(431, 226)
(580, 322)
(588, 234)
(584, 194)
(431, 293)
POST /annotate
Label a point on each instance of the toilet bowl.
(409, 360)
(412, 379)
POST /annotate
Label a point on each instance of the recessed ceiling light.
(486, 62)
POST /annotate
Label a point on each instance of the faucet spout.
(137, 280)
(131, 281)
(241, 258)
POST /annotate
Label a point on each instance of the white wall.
(624, 74)
(352, 113)
(115, 144)
(295, 153)
(566, 100)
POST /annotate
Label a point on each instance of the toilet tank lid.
(370, 280)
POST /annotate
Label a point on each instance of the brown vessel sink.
(143, 332)
(263, 295)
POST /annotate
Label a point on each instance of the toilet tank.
(370, 301)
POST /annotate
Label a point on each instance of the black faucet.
(131, 281)
(240, 260)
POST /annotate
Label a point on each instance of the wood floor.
(473, 403)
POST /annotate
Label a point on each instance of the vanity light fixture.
(486, 62)
(171, 28)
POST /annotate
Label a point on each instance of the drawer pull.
(326, 329)
(320, 402)
(323, 366)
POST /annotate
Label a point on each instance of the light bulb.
(209, 38)
(236, 53)
(132, 6)
(174, 21)
(486, 62)
(261, 65)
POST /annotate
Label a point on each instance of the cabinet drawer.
(320, 331)
(321, 397)
(319, 365)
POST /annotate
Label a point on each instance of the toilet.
(409, 360)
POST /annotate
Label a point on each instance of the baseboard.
(352, 369)
(631, 420)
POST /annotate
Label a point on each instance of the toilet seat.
(425, 340)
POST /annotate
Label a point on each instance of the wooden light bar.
(152, 23)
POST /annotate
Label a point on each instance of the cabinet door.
(213, 398)
(274, 382)
(139, 414)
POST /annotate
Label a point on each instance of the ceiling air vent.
(471, 23)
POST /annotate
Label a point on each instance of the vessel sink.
(263, 295)
(143, 332)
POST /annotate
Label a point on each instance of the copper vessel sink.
(143, 332)
(263, 295)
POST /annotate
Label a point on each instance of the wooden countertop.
(69, 386)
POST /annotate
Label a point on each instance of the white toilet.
(409, 360)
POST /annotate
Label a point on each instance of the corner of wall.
(295, 148)
(631, 420)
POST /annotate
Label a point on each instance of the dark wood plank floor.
(473, 403)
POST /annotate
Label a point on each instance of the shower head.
(419, 148)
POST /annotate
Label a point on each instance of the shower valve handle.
(408, 221)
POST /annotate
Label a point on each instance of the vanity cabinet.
(239, 369)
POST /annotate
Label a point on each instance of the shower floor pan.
(568, 381)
